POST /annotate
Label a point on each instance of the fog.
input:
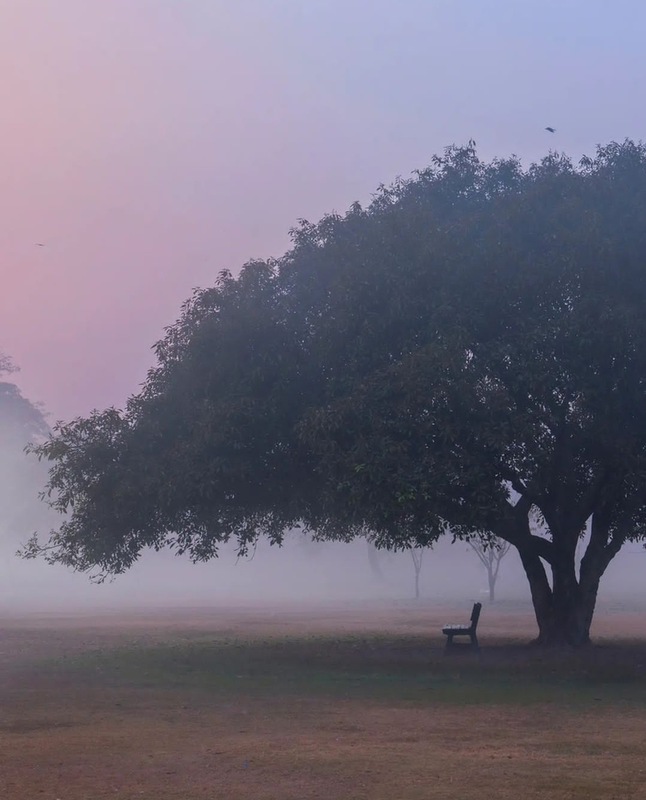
(299, 572)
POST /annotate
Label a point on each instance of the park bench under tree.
(464, 630)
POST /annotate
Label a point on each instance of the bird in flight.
(551, 130)
(39, 244)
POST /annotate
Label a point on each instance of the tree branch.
(515, 530)
(591, 498)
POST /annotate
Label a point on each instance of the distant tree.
(21, 477)
(21, 421)
(490, 553)
(465, 353)
(6, 365)
(417, 554)
(374, 560)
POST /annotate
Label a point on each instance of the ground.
(345, 702)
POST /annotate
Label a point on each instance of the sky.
(148, 144)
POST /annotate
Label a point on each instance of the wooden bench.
(464, 630)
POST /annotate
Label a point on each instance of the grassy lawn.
(193, 712)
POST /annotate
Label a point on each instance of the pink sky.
(150, 143)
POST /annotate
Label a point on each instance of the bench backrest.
(475, 614)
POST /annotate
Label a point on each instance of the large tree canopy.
(467, 353)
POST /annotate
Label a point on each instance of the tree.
(467, 353)
(20, 420)
(21, 478)
(417, 554)
(491, 553)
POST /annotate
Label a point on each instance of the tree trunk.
(563, 611)
(492, 587)
(417, 555)
(566, 620)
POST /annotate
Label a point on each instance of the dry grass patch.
(324, 749)
(165, 711)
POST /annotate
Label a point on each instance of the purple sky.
(150, 143)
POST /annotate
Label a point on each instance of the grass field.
(334, 703)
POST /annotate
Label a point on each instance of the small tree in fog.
(490, 553)
(374, 560)
(466, 352)
(417, 554)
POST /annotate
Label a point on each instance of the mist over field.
(295, 575)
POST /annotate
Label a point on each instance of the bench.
(464, 630)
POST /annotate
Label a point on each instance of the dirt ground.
(341, 702)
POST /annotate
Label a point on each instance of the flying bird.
(551, 130)
(38, 244)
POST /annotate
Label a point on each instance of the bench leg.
(449, 641)
(474, 641)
